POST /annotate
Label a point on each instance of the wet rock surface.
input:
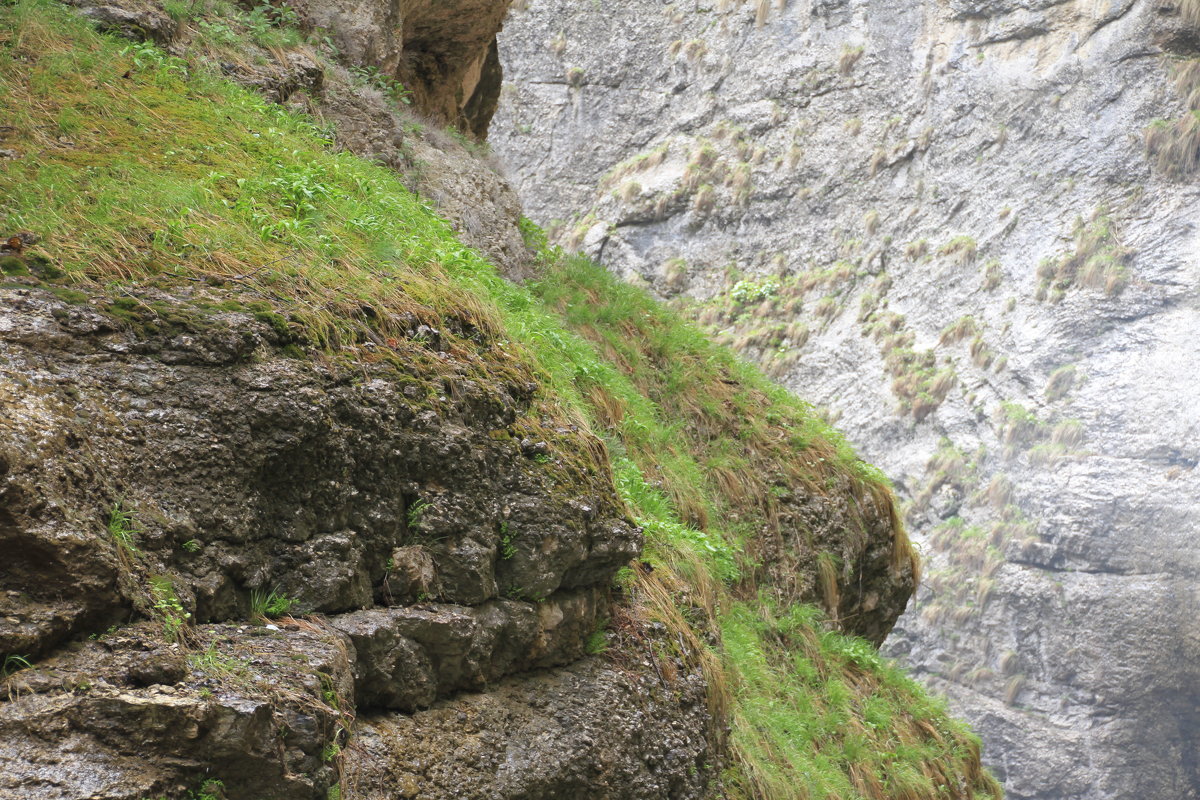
(590, 730)
(191, 471)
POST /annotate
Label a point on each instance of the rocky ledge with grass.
(299, 497)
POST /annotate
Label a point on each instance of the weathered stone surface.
(871, 136)
(276, 473)
(590, 730)
(127, 716)
(443, 52)
(134, 19)
(409, 657)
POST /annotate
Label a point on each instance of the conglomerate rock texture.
(952, 212)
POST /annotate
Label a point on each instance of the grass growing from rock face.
(1099, 261)
(813, 713)
(174, 177)
(175, 173)
(820, 715)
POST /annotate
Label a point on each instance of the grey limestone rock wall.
(939, 221)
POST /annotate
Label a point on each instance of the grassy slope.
(173, 175)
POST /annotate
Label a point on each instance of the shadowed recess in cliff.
(444, 53)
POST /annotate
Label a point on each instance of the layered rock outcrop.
(192, 469)
(968, 222)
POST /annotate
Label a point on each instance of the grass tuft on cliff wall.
(137, 169)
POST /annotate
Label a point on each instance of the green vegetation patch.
(822, 715)
(1099, 261)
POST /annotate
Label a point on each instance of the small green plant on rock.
(745, 292)
(1099, 261)
(1061, 381)
(372, 77)
(167, 607)
(216, 664)
(848, 58)
(122, 527)
(961, 250)
(13, 663)
(416, 512)
(507, 548)
(597, 642)
(269, 604)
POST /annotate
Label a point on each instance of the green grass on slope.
(814, 714)
(139, 170)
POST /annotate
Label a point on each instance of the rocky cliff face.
(967, 229)
(250, 555)
(444, 53)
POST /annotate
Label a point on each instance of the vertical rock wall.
(948, 210)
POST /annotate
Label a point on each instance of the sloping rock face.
(948, 209)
